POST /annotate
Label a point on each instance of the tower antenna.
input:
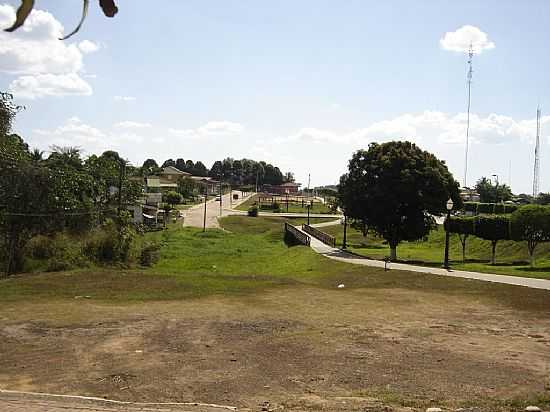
(536, 171)
(470, 74)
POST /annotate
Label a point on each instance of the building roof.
(171, 170)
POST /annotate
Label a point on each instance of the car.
(218, 199)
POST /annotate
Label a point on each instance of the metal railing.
(322, 236)
(293, 235)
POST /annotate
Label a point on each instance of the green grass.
(512, 257)
(293, 207)
(249, 260)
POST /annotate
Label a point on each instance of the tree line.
(237, 172)
(61, 192)
(529, 223)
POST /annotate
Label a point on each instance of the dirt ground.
(292, 349)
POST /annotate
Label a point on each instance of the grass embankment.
(250, 259)
(293, 207)
(512, 257)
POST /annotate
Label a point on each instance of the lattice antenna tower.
(470, 75)
(536, 171)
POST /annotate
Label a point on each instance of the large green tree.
(396, 188)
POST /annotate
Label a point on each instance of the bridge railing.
(322, 236)
(294, 236)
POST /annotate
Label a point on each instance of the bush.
(253, 211)
(150, 254)
(110, 243)
(40, 247)
(54, 254)
(531, 223)
(489, 208)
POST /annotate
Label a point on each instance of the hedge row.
(529, 223)
(490, 208)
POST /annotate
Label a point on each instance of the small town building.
(288, 188)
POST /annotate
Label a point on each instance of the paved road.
(338, 254)
(33, 402)
(194, 216)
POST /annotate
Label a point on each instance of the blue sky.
(301, 84)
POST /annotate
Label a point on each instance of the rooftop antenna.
(470, 74)
(536, 171)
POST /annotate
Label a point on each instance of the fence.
(322, 236)
(294, 236)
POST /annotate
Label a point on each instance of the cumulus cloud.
(87, 46)
(41, 85)
(429, 126)
(215, 128)
(132, 125)
(124, 98)
(35, 53)
(461, 39)
(74, 132)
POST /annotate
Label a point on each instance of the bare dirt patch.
(298, 348)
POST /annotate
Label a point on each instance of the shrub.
(110, 243)
(253, 211)
(464, 227)
(58, 253)
(531, 223)
(493, 228)
(40, 247)
(150, 254)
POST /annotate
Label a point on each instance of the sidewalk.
(342, 256)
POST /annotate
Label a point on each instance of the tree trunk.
(393, 253)
(493, 254)
(463, 239)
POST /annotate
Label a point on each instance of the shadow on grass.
(542, 269)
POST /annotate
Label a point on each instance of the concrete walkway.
(342, 256)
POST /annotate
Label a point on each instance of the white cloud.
(41, 85)
(87, 46)
(461, 39)
(35, 53)
(429, 126)
(215, 128)
(124, 98)
(132, 125)
(74, 132)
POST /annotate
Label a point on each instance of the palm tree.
(37, 155)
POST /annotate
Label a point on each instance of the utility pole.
(221, 194)
(205, 199)
(536, 170)
(470, 74)
(257, 176)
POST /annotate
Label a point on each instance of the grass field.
(236, 317)
(293, 207)
(512, 257)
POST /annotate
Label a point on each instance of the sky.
(301, 84)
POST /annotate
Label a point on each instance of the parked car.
(218, 198)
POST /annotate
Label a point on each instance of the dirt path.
(11, 401)
(288, 348)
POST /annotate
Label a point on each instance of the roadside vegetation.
(512, 257)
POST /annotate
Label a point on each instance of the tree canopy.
(492, 193)
(396, 188)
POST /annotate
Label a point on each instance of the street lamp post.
(205, 200)
(344, 245)
(447, 233)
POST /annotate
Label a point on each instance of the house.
(288, 188)
(212, 186)
(469, 195)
